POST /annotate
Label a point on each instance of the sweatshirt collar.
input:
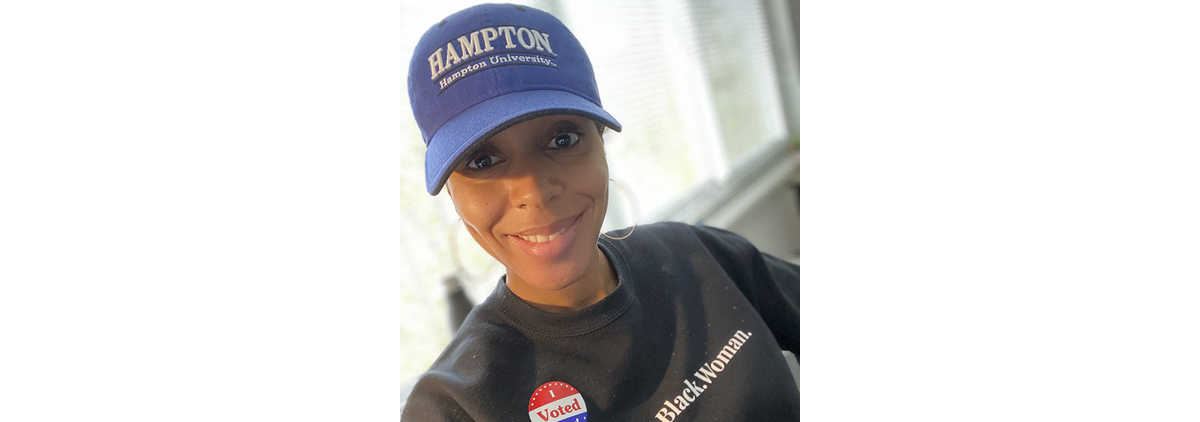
(575, 323)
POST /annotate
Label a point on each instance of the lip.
(551, 229)
(554, 248)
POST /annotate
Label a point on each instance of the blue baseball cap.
(491, 66)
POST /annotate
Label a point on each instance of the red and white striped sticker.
(557, 401)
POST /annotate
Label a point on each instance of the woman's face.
(534, 196)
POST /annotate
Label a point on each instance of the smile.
(543, 239)
(549, 242)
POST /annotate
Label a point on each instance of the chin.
(552, 279)
(560, 273)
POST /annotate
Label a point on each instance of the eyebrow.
(562, 125)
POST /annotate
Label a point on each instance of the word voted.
(562, 410)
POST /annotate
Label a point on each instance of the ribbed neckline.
(576, 323)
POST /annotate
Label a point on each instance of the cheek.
(479, 211)
(483, 243)
(595, 182)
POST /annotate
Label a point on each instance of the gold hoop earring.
(457, 262)
(633, 206)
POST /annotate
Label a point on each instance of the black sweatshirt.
(693, 332)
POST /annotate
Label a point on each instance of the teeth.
(544, 239)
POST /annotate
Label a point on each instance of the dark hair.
(600, 127)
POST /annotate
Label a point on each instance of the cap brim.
(457, 137)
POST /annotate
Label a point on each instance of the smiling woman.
(674, 319)
(533, 196)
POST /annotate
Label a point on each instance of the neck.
(598, 281)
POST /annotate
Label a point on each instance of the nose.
(536, 187)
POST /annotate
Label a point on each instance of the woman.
(665, 321)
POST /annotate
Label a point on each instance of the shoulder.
(674, 231)
(479, 355)
(432, 399)
(666, 242)
(675, 235)
(485, 333)
(654, 232)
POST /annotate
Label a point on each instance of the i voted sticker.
(557, 402)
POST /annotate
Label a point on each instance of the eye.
(482, 162)
(565, 140)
